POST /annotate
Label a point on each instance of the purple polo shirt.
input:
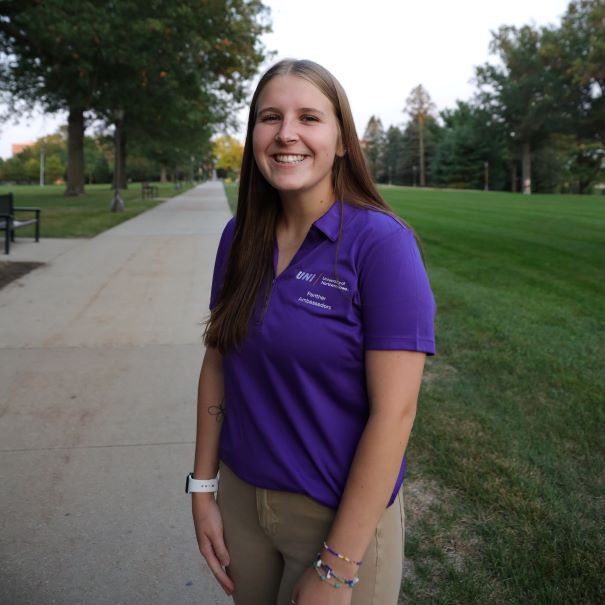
(295, 390)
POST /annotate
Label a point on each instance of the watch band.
(201, 485)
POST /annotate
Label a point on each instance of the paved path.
(99, 355)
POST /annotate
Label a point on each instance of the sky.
(379, 50)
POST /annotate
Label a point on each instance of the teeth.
(289, 159)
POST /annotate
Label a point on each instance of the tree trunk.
(421, 150)
(163, 174)
(75, 152)
(513, 176)
(119, 152)
(526, 168)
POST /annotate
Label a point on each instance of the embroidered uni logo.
(306, 276)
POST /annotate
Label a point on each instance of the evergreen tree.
(373, 148)
(393, 156)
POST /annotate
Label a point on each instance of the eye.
(269, 117)
(309, 118)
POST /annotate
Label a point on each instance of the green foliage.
(400, 161)
(470, 137)
(25, 166)
(514, 90)
(176, 69)
(575, 54)
(393, 156)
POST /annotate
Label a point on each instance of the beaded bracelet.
(342, 557)
(320, 566)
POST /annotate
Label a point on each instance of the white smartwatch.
(201, 485)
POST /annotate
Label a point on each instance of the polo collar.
(329, 223)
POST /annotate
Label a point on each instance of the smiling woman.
(321, 319)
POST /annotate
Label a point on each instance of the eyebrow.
(301, 109)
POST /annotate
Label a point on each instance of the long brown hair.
(250, 264)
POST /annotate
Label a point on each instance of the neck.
(299, 212)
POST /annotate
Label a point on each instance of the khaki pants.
(273, 536)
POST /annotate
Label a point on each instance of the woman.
(321, 319)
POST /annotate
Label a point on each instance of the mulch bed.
(9, 270)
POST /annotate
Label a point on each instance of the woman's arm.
(206, 515)
(393, 382)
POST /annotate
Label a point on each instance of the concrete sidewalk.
(100, 352)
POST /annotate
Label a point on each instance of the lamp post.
(42, 167)
(117, 203)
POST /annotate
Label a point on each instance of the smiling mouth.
(288, 159)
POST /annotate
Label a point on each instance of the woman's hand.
(209, 532)
(310, 590)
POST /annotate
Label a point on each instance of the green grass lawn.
(511, 417)
(505, 462)
(83, 216)
(231, 190)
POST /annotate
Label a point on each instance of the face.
(296, 138)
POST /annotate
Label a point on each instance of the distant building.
(19, 147)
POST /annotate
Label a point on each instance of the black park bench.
(148, 191)
(9, 222)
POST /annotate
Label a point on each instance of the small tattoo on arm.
(218, 411)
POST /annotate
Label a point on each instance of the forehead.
(293, 92)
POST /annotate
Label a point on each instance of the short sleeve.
(220, 263)
(397, 304)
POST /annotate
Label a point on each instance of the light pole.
(117, 203)
(42, 167)
(486, 175)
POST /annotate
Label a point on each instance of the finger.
(218, 544)
(215, 567)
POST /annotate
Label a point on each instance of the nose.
(286, 133)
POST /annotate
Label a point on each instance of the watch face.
(187, 483)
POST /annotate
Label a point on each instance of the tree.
(419, 107)
(393, 156)
(96, 160)
(373, 148)
(155, 62)
(515, 92)
(48, 51)
(25, 166)
(575, 54)
(411, 143)
(471, 144)
(228, 152)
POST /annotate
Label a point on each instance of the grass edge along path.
(86, 215)
(504, 491)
